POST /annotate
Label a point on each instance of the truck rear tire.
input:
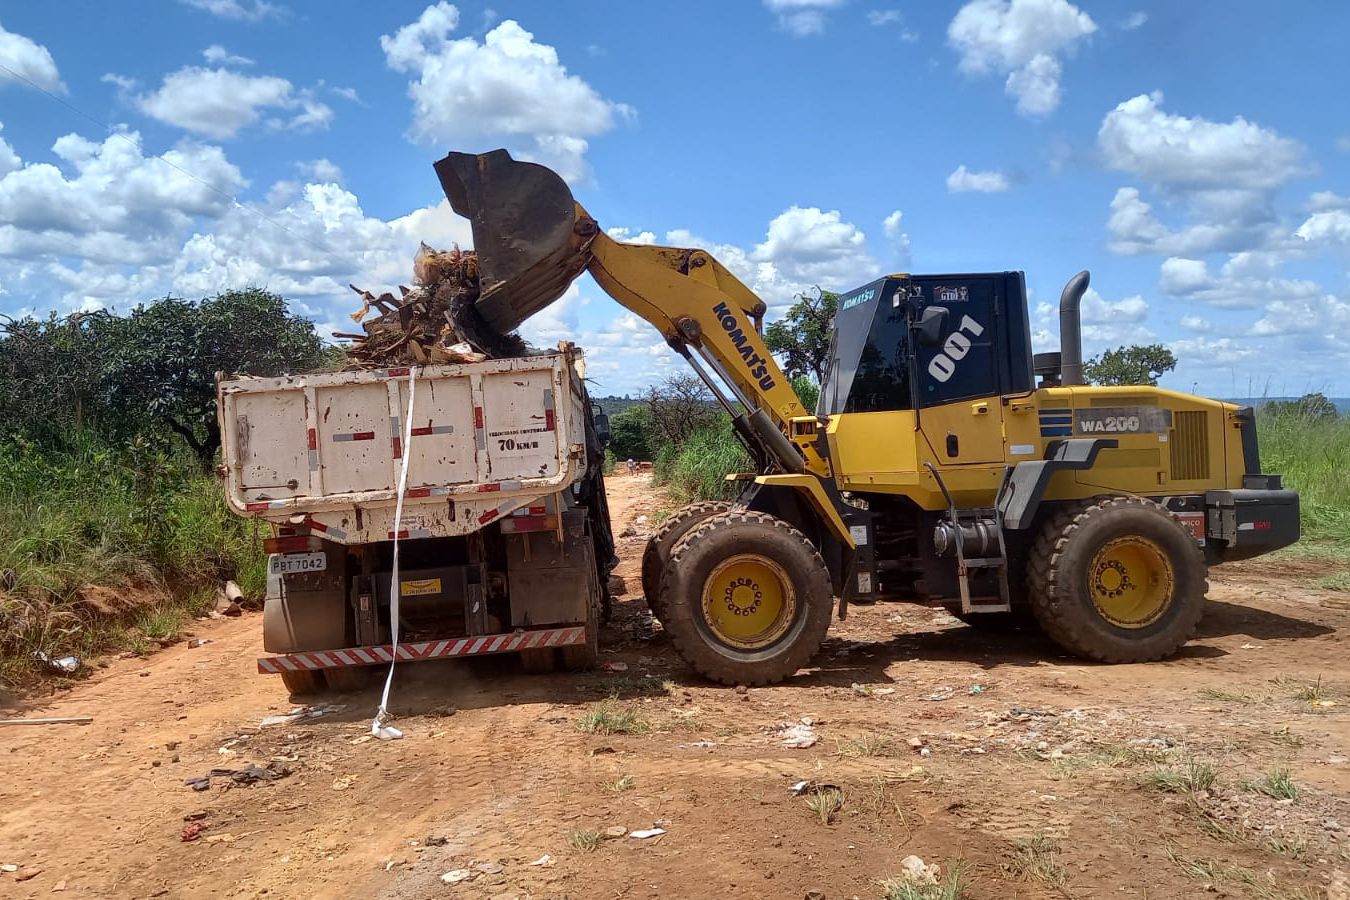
(580, 657)
(655, 556)
(304, 683)
(747, 598)
(538, 661)
(1117, 580)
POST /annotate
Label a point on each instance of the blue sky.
(1195, 157)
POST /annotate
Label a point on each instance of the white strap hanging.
(377, 727)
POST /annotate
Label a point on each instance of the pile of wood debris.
(433, 322)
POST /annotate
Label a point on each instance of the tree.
(630, 433)
(677, 407)
(1136, 364)
(801, 339)
(1309, 407)
(49, 375)
(808, 391)
(161, 360)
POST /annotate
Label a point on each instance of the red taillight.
(303, 543)
(549, 421)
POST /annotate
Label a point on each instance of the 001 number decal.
(958, 345)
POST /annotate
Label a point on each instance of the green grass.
(697, 469)
(585, 840)
(1313, 455)
(826, 803)
(952, 885)
(1191, 777)
(1216, 873)
(1038, 857)
(620, 784)
(608, 718)
(1277, 783)
(123, 518)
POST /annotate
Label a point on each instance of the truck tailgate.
(327, 449)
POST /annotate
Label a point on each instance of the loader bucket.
(531, 237)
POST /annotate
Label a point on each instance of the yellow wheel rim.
(748, 601)
(1131, 581)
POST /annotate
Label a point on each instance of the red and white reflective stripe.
(423, 492)
(265, 505)
(407, 533)
(451, 647)
(550, 420)
(355, 436)
(489, 515)
(394, 440)
(396, 372)
(335, 533)
(479, 436)
(313, 449)
(433, 429)
(494, 486)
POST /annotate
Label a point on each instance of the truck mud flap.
(479, 645)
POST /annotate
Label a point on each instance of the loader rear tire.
(1117, 580)
(304, 683)
(746, 597)
(663, 541)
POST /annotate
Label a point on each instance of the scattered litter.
(615, 831)
(811, 787)
(796, 735)
(915, 870)
(192, 832)
(925, 752)
(62, 664)
(455, 876)
(977, 689)
(489, 868)
(300, 713)
(198, 642)
(866, 690)
(799, 788)
(916, 743)
(8, 867)
(942, 693)
(615, 667)
(386, 732)
(647, 833)
(704, 744)
(545, 860)
(1336, 760)
(640, 520)
(250, 774)
(1249, 647)
(55, 720)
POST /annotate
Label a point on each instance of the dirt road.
(1044, 776)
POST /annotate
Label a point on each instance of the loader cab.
(918, 341)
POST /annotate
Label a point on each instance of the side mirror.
(932, 325)
(602, 428)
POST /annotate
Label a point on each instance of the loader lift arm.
(533, 239)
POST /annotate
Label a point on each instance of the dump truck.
(945, 463)
(504, 544)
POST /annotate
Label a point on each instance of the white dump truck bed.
(326, 450)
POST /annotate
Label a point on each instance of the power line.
(113, 132)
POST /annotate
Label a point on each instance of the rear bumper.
(479, 645)
(1244, 523)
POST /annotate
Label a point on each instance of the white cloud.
(506, 89)
(1134, 20)
(1193, 153)
(628, 236)
(219, 103)
(883, 18)
(1106, 323)
(238, 10)
(892, 226)
(802, 17)
(111, 201)
(1223, 176)
(1097, 310)
(347, 93)
(30, 60)
(1245, 281)
(1210, 351)
(1328, 227)
(1197, 324)
(1343, 143)
(323, 171)
(1023, 40)
(9, 159)
(963, 180)
(1324, 201)
(217, 55)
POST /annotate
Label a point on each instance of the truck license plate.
(297, 563)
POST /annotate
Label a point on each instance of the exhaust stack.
(1071, 329)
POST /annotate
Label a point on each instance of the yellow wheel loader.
(944, 464)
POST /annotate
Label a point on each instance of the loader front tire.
(1117, 580)
(746, 598)
(660, 544)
